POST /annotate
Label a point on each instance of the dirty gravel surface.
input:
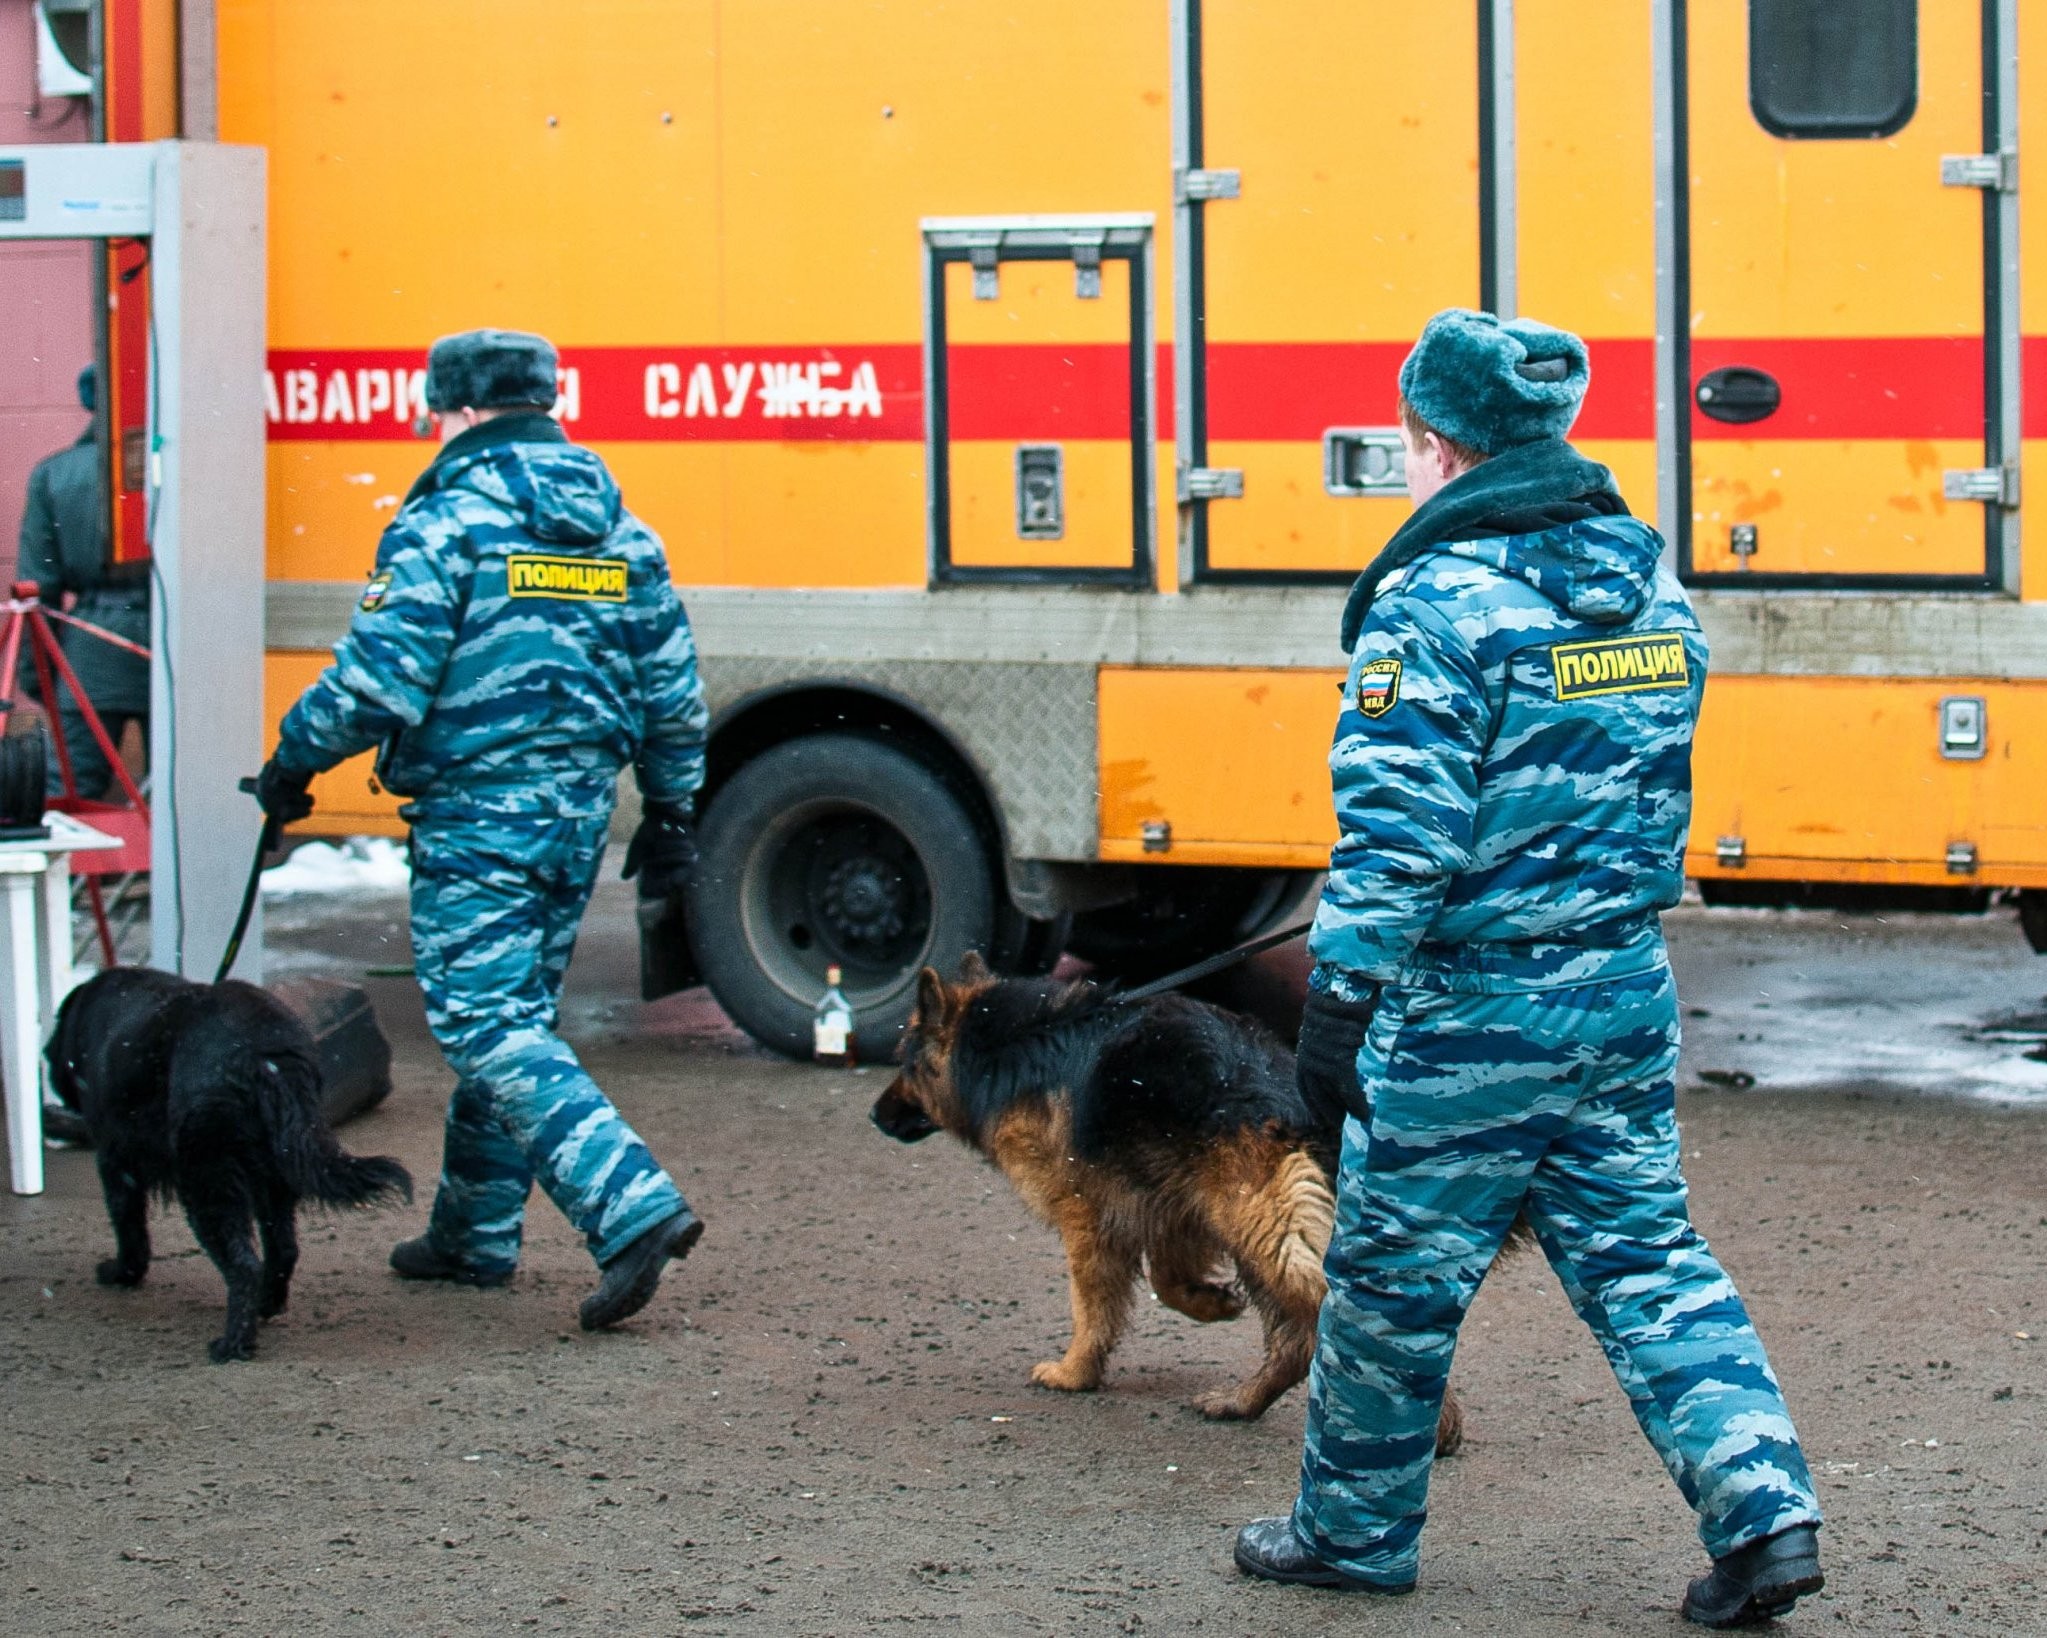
(822, 1425)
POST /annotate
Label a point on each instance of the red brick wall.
(45, 291)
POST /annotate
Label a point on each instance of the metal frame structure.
(985, 242)
(201, 208)
(1498, 194)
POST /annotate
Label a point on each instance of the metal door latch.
(1363, 461)
(1993, 485)
(1741, 541)
(1998, 172)
(1158, 835)
(1190, 186)
(1207, 483)
(1961, 858)
(1731, 852)
(1040, 492)
(1964, 728)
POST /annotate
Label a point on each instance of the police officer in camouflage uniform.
(65, 550)
(518, 644)
(1492, 1004)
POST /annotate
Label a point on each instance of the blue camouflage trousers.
(496, 902)
(1560, 1103)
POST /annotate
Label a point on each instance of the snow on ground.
(360, 864)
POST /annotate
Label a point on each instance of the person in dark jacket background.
(1492, 1006)
(518, 645)
(67, 552)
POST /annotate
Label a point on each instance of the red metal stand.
(130, 821)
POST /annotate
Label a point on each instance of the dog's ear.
(931, 998)
(974, 970)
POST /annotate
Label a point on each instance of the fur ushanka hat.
(490, 369)
(1492, 384)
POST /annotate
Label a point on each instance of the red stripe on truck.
(1903, 387)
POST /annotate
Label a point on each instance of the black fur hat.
(490, 369)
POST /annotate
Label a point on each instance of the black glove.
(282, 794)
(1326, 1061)
(663, 851)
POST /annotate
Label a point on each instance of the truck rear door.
(1839, 257)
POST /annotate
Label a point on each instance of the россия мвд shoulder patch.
(1619, 665)
(1378, 687)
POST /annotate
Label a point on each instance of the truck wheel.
(835, 850)
(2033, 918)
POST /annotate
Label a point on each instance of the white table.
(35, 975)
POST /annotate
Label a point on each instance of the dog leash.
(267, 843)
(1214, 964)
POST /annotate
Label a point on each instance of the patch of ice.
(1816, 999)
(361, 864)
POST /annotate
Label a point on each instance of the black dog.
(211, 1093)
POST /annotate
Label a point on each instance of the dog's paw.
(1226, 1405)
(222, 1349)
(115, 1272)
(1210, 1303)
(1056, 1373)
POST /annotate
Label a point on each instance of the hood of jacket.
(1541, 512)
(557, 491)
(1601, 569)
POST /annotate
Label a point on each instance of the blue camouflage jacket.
(1512, 764)
(518, 644)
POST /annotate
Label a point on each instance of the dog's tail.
(1276, 1214)
(317, 1167)
(1308, 1215)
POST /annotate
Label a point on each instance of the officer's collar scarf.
(525, 427)
(1531, 487)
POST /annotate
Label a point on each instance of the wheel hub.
(865, 900)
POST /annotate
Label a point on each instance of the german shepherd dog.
(1166, 1135)
(211, 1093)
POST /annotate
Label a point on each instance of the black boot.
(1270, 1548)
(1754, 1583)
(421, 1259)
(630, 1277)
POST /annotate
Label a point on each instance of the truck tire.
(835, 850)
(2033, 918)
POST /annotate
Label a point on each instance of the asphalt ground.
(822, 1425)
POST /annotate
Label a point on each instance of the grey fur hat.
(1493, 384)
(490, 369)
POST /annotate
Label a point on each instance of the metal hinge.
(1158, 835)
(1998, 172)
(1993, 485)
(1191, 185)
(1730, 852)
(985, 257)
(1087, 266)
(1961, 858)
(1207, 483)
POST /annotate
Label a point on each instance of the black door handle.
(1738, 393)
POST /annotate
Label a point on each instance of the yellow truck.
(1013, 386)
